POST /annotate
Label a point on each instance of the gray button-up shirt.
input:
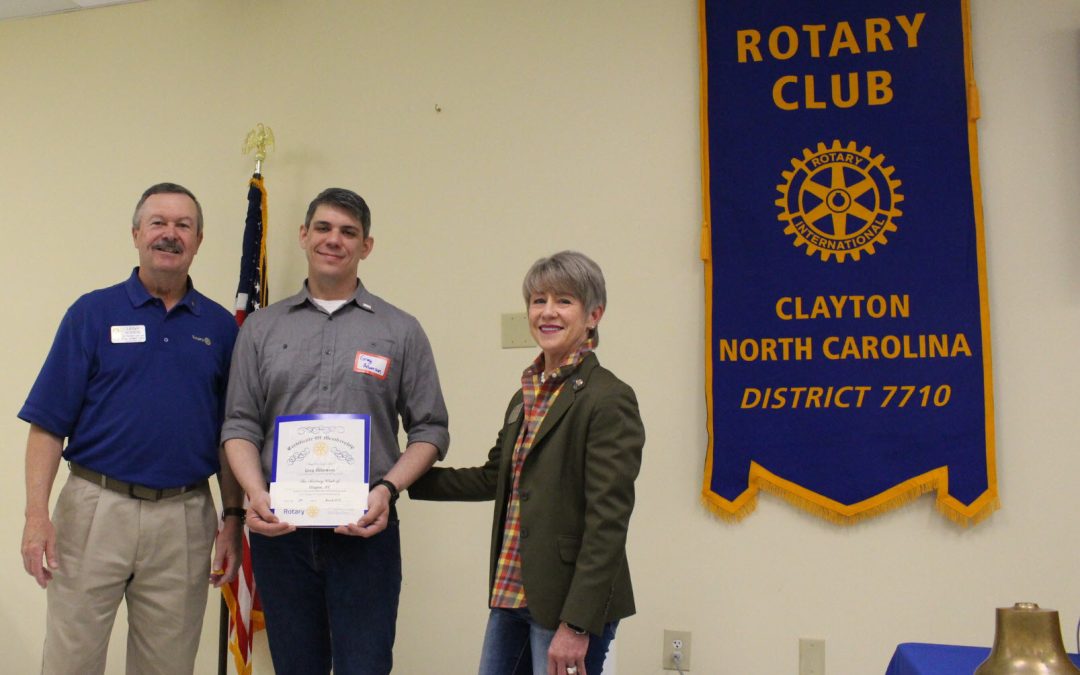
(293, 358)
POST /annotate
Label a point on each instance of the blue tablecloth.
(918, 658)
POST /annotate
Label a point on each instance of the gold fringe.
(895, 502)
(264, 287)
(703, 120)
(258, 623)
(928, 483)
(728, 515)
(963, 519)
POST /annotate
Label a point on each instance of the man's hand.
(567, 650)
(39, 536)
(262, 520)
(38, 542)
(228, 552)
(376, 518)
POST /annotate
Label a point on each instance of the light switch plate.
(515, 331)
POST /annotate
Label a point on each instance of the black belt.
(131, 489)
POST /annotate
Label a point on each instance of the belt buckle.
(143, 493)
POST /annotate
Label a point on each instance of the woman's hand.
(567, 650)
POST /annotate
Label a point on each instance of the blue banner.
(848, 345)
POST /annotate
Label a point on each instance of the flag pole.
(241, 612)
(223, 637)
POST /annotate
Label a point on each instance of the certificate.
(319, 476)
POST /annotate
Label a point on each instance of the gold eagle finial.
(260, 140)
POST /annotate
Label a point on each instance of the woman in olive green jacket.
(562, 476)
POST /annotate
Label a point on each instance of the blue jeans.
(514, 644)
(329, 599)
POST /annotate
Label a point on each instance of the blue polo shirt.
(137, 391)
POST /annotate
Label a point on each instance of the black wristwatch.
(233, 511)
(394, 493)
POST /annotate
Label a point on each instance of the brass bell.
(1027, 641)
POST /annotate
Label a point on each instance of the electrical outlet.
(676, 654)
(811, 656)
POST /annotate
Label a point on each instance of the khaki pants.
(154, 555)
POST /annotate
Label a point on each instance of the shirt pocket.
(375, 364)
(287, 369)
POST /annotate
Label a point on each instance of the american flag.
(251, 292)
(245, 610)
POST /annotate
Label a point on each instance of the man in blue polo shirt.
(135, 382)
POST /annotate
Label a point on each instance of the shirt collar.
(139, 296)
(568, 366)
(360, 297)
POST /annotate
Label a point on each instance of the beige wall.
(563, 124)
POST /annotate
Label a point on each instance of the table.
(920, 658)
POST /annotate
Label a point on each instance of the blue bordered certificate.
(320, 471)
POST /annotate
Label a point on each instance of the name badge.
(372, 364)
(126, 334)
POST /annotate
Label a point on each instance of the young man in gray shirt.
(330, 596)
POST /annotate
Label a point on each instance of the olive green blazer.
(577, 493)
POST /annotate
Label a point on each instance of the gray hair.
(167, 189)
(346, 200)
(570, 272)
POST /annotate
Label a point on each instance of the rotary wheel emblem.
(839, 201)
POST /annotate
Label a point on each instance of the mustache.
(168, 246)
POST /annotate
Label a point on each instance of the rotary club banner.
(848, 346)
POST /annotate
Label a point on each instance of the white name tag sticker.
(126, 334)
(372, 364)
